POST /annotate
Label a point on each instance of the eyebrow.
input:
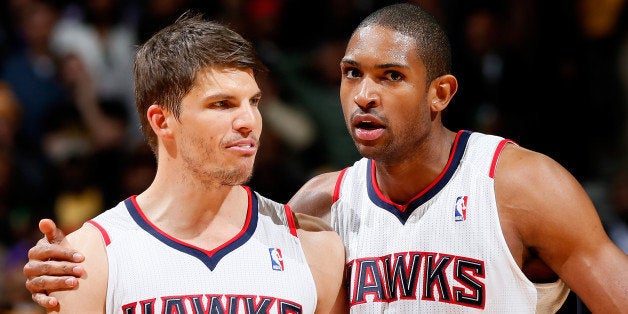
(379, 66)
(228, 96)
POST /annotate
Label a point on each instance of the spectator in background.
(10, 194)
(104, 123)
(481, 64)
(19, 210)
(104, 41)
(31, 69)
(287, 140)
(153, 15)
(139, 171)
(311, 79)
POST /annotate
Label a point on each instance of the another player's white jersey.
(261, 270)
(444, 251)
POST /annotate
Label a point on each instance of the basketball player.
(437, 221)
(433, 220)
(196, 240)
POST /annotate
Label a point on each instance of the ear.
(158, 119)
(441, 90)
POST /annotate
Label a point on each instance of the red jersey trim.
(290, 219)
(103, 232)
(498, 151)
(337, 188)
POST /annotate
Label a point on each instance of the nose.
(246, 118)
(367, 97)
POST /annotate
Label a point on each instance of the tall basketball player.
(197, 240)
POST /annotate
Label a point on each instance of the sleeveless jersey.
(261, 270)
(444, 251)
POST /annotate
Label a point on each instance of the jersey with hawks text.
(443, 251)
(261, 270)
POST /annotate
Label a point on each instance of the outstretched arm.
(51, 266)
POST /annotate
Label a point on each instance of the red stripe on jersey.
(498, 152)
(102, 230)
(337, 188)
(290, 218)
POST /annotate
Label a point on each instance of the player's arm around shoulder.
(546, 214)
(325, 255)
(315, 197)
(90, 296)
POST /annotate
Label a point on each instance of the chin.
(235, 176)
(368, 151)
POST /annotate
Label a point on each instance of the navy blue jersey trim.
(210, 259)
(394, 209)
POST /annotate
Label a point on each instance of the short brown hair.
(167, 64)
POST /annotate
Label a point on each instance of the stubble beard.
(211, 173)
(231, 175)
(395, 149)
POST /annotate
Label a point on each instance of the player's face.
(220, 125)
(383, 94)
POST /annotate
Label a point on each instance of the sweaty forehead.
(382, 44)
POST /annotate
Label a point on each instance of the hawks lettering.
(413, 275)
(214, 304)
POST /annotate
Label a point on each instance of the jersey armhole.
(103, 232)
(337, 187)
(498, 151)
(290, 218)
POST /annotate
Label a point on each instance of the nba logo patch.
(460, 211)
(276, 259)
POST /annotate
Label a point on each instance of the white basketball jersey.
(444, 251)
(261, 270)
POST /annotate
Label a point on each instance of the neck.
(403, 180)
(190, 210)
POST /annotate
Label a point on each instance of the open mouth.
(367, 122)
(367, 125)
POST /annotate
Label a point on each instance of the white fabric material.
(149, 270)
(444, 252)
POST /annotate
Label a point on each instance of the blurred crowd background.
(551, 75)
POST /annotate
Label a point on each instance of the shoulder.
(325, 256)
(552, 219)
(323, 182)
(542, 207)
(521, 170)
(93, 285)
(315, 196)
(533, 185)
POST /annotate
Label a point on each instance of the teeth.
(245, 145)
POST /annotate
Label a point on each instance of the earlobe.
(157, 118)
(442, 90)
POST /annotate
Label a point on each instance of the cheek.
(346, 102)
(411, 115)
(345, 93)
(259, 125)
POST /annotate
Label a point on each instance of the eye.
(394, 76)
(255, 101)
(219, 104)
(349, 72)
